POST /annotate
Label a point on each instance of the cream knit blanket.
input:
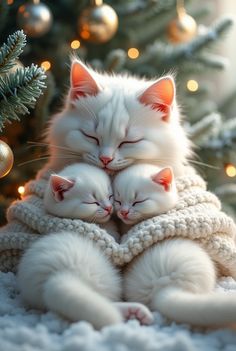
(197, 216)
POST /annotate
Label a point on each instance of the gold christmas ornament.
(34, 18)
(18, 65)
(97, 23)
(6, 159)
(183, 28)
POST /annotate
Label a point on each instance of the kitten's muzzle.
(108, 209)
(124, 213)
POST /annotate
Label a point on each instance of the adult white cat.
(114, 121)
(143, 191)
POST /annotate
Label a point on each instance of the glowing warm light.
(10, 2)
(21, 190)
(46, 65)
(21, 9)
(133, 53)
(192, 85)
(75, 44)
(230, 170)
(85, 34)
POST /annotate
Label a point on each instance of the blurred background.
(195, 40)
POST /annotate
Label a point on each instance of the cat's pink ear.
(164, 178)
(82, 82)
(59, 185)
(160, 96)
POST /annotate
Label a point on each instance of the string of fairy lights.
(97, 24)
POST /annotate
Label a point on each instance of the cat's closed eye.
(139, 202)
(90, 137)
(129, 142)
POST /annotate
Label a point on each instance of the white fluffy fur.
(135, 184)
(86, 199)
(177, 277)
(91, 184)
(68, 275)
(113, 116)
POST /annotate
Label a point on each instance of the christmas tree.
(145, 38)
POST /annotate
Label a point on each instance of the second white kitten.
(143, 191)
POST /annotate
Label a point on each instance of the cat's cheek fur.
(77, 143)
(142, 150)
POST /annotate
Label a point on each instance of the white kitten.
(143, 191)
(178, 278)
(80, 191)
(113, 121)
(69, 275)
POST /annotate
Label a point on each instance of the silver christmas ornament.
(34, 18)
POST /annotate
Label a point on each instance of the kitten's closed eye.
(139, 202)
(92, 202)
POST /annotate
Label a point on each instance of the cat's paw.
(135, 310)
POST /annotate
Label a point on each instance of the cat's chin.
(109, 171)
(129, 221)
(103, 219)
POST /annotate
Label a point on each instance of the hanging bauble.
(183, 28)
(18, 65)
(34, 18)
(97, 23)
(6, 159)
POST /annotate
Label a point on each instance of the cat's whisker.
(43, 158)
(166, 159)
(33, 143)
(93, 219)
(203, 164)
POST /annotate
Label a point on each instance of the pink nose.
(108, 209)
(124, 213)
(105, 159)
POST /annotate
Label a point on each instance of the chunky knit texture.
(197, 216)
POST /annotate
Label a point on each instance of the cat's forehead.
(113, 118)
(128, 188)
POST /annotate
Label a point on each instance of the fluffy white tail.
(67, 295)
(207, 309)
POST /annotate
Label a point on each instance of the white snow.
(30, 330)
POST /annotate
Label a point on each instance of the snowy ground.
(29, 330)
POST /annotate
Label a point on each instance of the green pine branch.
(11, 50)
(18, 91)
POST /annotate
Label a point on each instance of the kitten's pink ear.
(59, 185)
(164, 178)
(160, 96)
(82, 83)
